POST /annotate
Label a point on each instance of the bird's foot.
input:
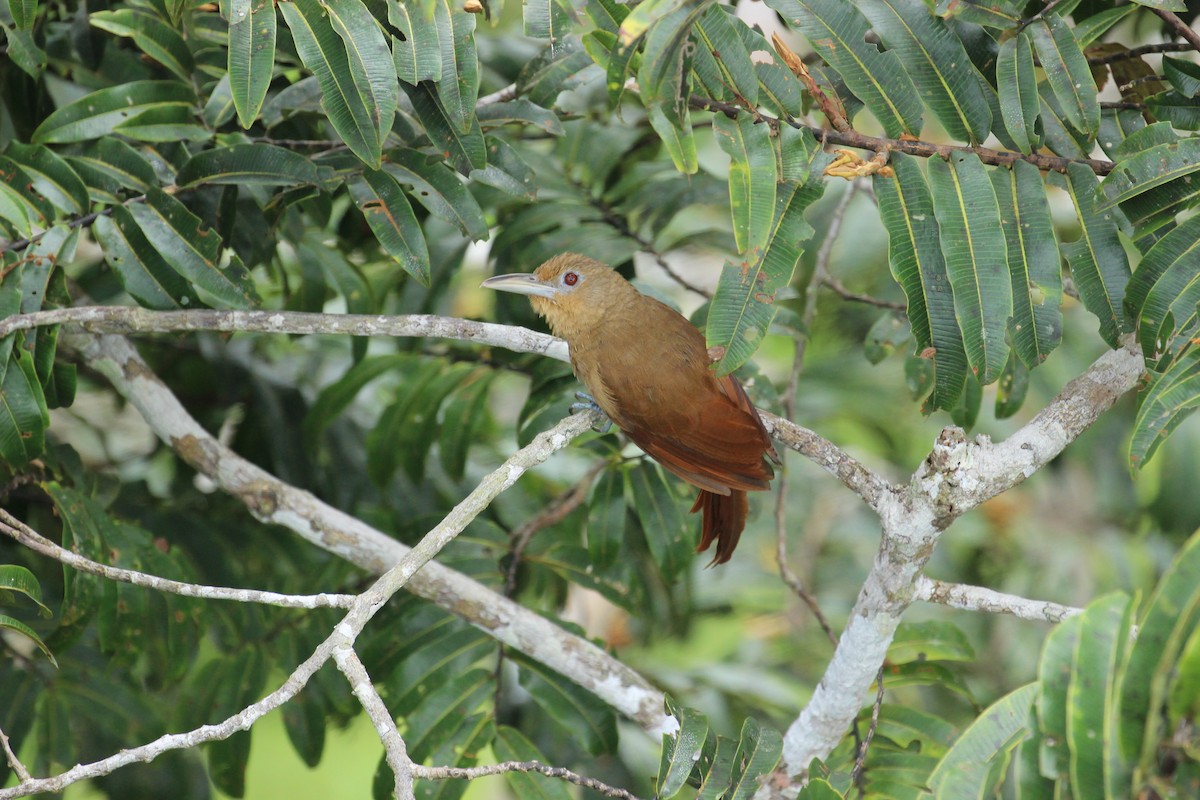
(588, 403)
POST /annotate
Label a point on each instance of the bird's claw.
(588, 403)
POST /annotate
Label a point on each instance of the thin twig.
(915, 147)
(979, 598)
(1180, 27)
(13, 761)
(860, 760)
(470, 773)
(27, 536)
(1137, 52)
(395, 751)
(836, 286)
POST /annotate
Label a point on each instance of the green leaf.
(1067, 72)
(990, 13)
(578, 712)
(1169, 399)
(661, 74)
(256, 164)
(544, 19)
(838, 32)
(117, 161)
(752, 176)
(381, 200)
(103, 112)
(418, 56)
(646, 14)
(511, 745)
(915, 257)
(1182, 112)
(929, 641)
(975, 250)
(406, 429)
(193, 251)
(1104, 625)
(520, 111)
(1184, 76)
(819, 790)
(458, 85)
(744, 304)
(152, 35)
(1012, 387)
(1165, 289)
(1033, 262)
(909, 727)
(15, 578)
(937, 62)
(24, 13)
(464, 148)
(141, 268)
(52, 176)
(337, 396)
(340, 42)
(976, 763)
(662, 520)
(1054, 673)
(1016, 84)
(21, 629)
(251, 63)
(1097, 259)
(444, 713)
(1146, 170)
(680, 750)
(716, 767)
(506, 171)
(606, 518)
(24, 415)
(717, 31)
(677, 138)
(436, 187)
(1169, 618)
(464, 414)
(758, 752)
(14, 211)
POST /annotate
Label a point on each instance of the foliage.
(352, 155)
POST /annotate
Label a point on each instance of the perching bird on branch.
(648, 369)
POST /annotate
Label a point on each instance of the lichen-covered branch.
(980, 598)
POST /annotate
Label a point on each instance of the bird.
(648, 369)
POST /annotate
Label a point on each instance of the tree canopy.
(259, 449)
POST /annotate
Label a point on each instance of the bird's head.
(568, 290)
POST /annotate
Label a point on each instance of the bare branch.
(27, 536)
(273, 501)
(127, 320)
(470, 773)
(979, 598)
(954, 478)
(394, 748)
(1181, 28)
(13, 761)
(345, 632)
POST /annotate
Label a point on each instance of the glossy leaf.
(15, 626)
(1103, 626)
(838, 32)
(1184, 76)
(1033, 262)
(976, 762)
(386, 208)
(1169, 618)
(974, 246)
(1169, 399)
(667, 531)
(458, 85)
(1164, 291)
(117, 161)
(152, 35)
(680, 750)
(1067, 72)
(15, 578)
(744, 303)
(716, 767)
(916, 260)
(1097, 259)
(1016, 83)
(193, 251)
(438, 189)
(256, 164)
(252, 29)
(102, 112)
(758, 752)
(52, 177)
(342, 45)
(935, 59)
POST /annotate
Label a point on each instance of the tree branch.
(345, 632)
(954, 478)
(469, 773)
(1180, 27)
(27, 536)
(979, 598)
(273, 501)
(394, 749)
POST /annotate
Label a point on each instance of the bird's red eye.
(571, 278)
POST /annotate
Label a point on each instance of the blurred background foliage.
(400, 204)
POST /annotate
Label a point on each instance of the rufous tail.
(724, 519)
